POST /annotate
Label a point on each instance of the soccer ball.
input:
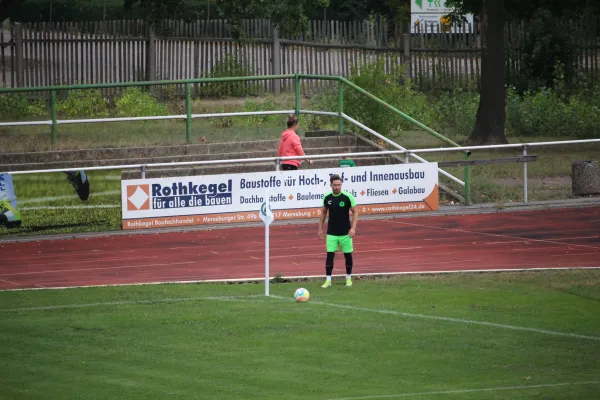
(301, 295)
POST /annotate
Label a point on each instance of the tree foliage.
(525, 9)
(154, 11)
(97, 10)
(290, 16)
(545, 54)
(548, 58)
(7, 7)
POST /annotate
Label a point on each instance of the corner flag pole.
(266, 259)
(266, 214)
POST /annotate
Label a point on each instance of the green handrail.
(398, 112)
(145, 83)
(427, 129)
(340, 107)
(188, 82)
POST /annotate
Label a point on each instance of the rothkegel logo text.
(182, 195)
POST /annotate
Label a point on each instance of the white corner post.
(266, 214)
(267, 259)
(525, 189)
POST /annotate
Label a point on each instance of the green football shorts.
(334, 242)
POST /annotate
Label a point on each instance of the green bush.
(547, 113)
(17, 106)
(324, 101)
(135, 103)
(456, 111)
(536, 114)
(86, 103)
(548, 59)
(39, 108)
(230, 66)
(582, 117)
(13, 105)
(267, 105)
(170, 92)
(392, 87)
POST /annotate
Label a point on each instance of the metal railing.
(522, 146)
(53, 122)
(277, 160)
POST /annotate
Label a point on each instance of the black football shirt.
(338, 207)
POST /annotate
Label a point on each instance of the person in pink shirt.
(290, 145)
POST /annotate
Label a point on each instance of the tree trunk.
(491, 113)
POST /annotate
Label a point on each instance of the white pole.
(525, 199)
(266, 259)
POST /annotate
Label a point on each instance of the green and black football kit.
(338, 226)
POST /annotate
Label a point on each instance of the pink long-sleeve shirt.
(290, 146)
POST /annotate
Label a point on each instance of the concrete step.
(172, 158)
(168, 151)
(243, 168)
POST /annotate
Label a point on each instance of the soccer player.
(338, 204)
(10, 216)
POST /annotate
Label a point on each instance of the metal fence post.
(188, 113)
(297, 81)
(53, 116)
(151, 56)
(406, 45)
(467, 180)
(19, 54)
(525, 197)
(276, 60)
(340, 107)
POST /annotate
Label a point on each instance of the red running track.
(516, 240)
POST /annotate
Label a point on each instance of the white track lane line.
(493, 234)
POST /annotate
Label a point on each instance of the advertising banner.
(236, 198)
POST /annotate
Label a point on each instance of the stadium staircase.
(319, 142)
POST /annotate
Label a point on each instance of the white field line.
(132, 302)
(301, 277)
(258, 298)
(371, 310)
(455, 320)
(462, 391)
